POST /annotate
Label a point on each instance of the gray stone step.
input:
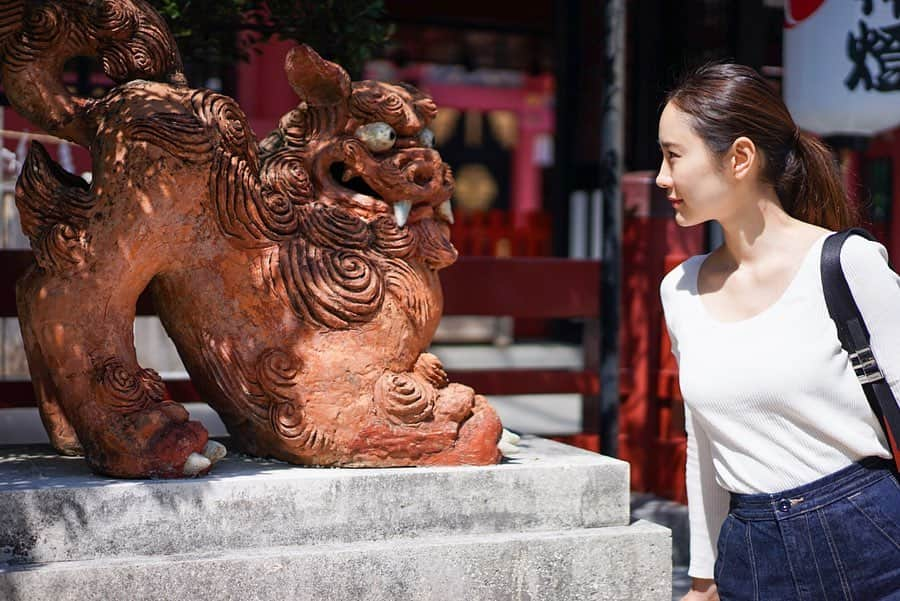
(53, 509)
(672, 515)
(602, 564)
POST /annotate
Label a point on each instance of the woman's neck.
(759, 229)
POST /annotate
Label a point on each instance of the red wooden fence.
(473, 286)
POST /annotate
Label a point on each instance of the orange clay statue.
(297, 276)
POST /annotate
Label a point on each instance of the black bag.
(854, 337)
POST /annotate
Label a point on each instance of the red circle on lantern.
(798, 10)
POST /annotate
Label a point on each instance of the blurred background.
(548, 115)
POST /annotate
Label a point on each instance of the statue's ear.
(316, 81)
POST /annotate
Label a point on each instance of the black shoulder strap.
(854, 336)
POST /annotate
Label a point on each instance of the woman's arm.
(707, 501)
(876, 290)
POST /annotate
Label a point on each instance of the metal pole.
(612, 149)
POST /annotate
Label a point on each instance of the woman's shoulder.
(681, 280)
(862, 254)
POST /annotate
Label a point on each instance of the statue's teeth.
(446, 211)
(401, 212)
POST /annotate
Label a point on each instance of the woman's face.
(696, 186)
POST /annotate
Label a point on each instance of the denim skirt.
(834, 539)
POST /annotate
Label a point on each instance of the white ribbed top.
(772, 401)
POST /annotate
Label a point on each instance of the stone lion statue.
(297, 276)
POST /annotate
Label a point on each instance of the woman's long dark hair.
(727, 101)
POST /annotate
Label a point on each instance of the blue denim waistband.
(825, 490)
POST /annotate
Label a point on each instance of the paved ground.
(681, 582)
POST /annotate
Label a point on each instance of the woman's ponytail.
(811, 188)
(727, 101)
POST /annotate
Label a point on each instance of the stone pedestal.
(549, 524)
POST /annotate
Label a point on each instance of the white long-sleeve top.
(772, 401)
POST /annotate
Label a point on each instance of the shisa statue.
(297, 276)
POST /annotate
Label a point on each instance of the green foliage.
(214, 34)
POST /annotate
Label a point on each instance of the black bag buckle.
(865, 366)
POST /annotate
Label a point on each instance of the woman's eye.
(378, 136)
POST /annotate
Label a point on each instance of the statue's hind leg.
(80, 332)
(59, 429)
(96, 250)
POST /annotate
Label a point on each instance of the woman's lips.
(676, 202)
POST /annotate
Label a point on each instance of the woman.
(791, 493)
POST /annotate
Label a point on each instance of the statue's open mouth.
(416, 191)
(357, 183)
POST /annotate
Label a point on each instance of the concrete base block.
(615, 564)
(550, 524)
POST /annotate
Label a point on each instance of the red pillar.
(651, 419)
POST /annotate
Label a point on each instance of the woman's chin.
(681, 220)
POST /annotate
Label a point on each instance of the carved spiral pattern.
(371, 102)
(404, 399)
(392, 240)
(148, 54)
(232, 376)
(300, 127)
(334, 227)
(410, 291)
(46, 194)
(11, 14)
(285, 173)
(182, 136)
(241, 210)
(392, 104)
(116, 19)
(281, 215)
(153, 384)
(43, 25)
(41, 29)
(142, 59)
(331, 288)
(275, 371)
(226, 116)
(81, 36)
(128, 392)
(62, 248)
(289, 422)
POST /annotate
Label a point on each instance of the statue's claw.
(214, 451)
(508, 444)
(195, 464)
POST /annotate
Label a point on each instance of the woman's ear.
(743, 157)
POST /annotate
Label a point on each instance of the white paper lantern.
(842, 65)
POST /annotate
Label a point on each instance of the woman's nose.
(663, 179)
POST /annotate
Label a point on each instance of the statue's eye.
(378, 136)
(426, 138)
